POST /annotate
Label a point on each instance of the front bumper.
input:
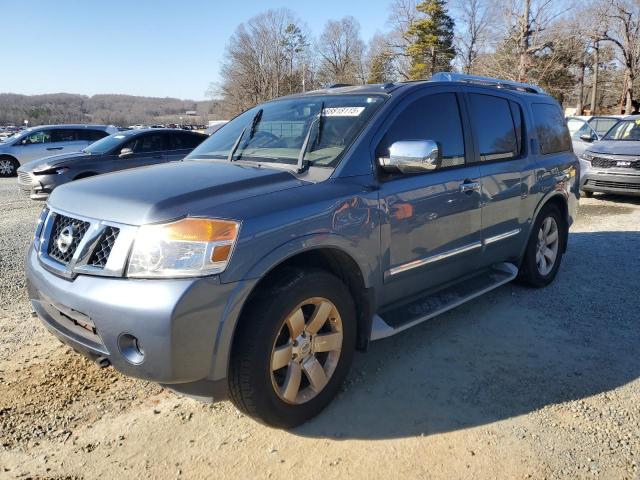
(618, 182)
(178, 323)
(39, 187)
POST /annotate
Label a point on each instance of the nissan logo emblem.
(65, 239)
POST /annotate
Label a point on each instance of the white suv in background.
(44, 141)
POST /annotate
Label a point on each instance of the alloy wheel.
(547, 247)
(7, 168)
(306, 351)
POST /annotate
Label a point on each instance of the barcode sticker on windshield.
(342, 111)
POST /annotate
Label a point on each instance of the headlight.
(51, 171)
(587, 156)
(187, 248)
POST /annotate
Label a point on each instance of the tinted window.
(43, 136)
(90, 135)
(578, 127)
(63, 135)
(434, 117)
(185, 141)
(551, 129)
(147, 143)
(493, 126)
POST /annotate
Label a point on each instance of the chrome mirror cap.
(411, 156)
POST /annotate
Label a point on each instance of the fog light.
(130, 348)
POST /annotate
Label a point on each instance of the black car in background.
(122, 150)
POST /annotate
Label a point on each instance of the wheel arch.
(330, 258)
(559, 200)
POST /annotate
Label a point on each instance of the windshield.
(628, 130)
(105, 144)
(276, 132)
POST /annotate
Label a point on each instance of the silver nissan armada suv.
(301, 231)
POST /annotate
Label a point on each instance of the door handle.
(469, 187)
(55, 148)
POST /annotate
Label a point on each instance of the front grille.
(78, 229)
(602, 162)
(608, 184)
(100, 255)
(24, 177)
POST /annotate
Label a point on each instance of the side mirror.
(125, 152)
(412, 156)
(587, 138)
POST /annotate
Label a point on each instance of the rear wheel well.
(337, 263)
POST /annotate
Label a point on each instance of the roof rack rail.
(487, 81)
(338, 85)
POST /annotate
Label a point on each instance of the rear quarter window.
(551, 129)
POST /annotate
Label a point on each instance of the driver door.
(432, 232)
(146, 149)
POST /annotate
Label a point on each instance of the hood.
(616, 147)
(53, 161)
(168, 191)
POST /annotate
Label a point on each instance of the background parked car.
(588, 130)
(134, 148)
(613, 164)
(38, 142)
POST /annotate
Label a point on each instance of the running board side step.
(428, 306)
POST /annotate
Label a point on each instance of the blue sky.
(157, 48)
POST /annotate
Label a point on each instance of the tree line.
(586, 54)
(122, 110)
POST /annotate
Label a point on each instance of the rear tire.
(543, 255)
(586, 194)
(293, 348)
(8, 167)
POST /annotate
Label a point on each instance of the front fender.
(305, 243)
(244, 288)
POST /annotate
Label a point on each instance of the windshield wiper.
(254, 123)
(302, 164)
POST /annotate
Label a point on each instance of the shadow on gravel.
(506, 354)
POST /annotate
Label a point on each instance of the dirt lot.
(517, 384)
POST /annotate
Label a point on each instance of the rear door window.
(63, 135)
(147, 143)
(551, 129)
(433, 117)
(184, 141)
(494, 127)
(91, 135)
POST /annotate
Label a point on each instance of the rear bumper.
(177, 323)
(619, 183)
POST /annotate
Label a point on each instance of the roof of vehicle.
(67, 125)
(140, 131)
(440, 78)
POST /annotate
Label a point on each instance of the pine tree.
(432, 47)
(381, 68)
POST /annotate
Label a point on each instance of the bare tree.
(341, 52)
(474, 21)
(262, 60)
(620, 25)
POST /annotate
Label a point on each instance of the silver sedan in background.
(43, 141)
(130, 149)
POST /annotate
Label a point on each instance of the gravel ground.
(520, 383)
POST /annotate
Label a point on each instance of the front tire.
(586, 194)
(543, 255)
(293, 348)
(8, 167)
